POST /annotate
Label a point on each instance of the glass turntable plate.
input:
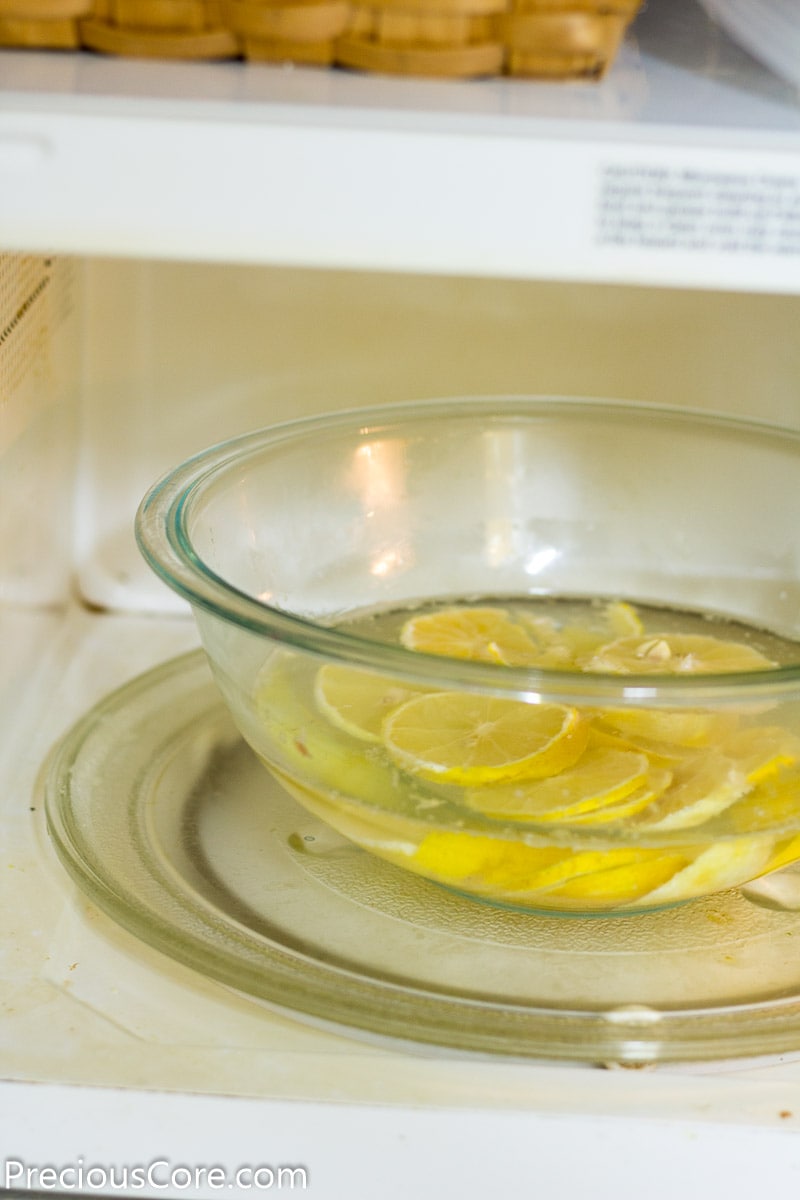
(168, 822)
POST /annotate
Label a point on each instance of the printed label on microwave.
(657, 207)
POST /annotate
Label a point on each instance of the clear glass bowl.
(540, 651)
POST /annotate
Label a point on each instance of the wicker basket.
(302, 32)
(42, 24)
(547, 39)
(187, 29)
(455, 38)
(564, 39)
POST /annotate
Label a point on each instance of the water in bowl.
(555, 807)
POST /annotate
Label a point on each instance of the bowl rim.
(162, 538)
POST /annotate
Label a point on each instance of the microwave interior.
(117, 364)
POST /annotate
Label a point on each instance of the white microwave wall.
(118, 369)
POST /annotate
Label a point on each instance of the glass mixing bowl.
(540, 651)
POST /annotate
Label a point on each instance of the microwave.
(191, 251)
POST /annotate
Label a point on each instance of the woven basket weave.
(43, 24)
(301, 31)
(181, 29)
(564, 39)
(450, 38)
(546, 39)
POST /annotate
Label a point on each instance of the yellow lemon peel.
(720, 866)
(478, 634)
(676, 654)
(358, 701)
(701, 790)
(466, 738)
(617, 886)
(599, 778)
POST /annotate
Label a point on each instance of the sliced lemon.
(702, 789)
(573, 866)
(786, 853)
(357, 701)
(619, 886)
(567, 647)
(623, 619)
(480, 634)
(775, 803)
(655, 784)
(302, 743)
(583, 641)
(660, 754)
(384, 831)
(527, 874)
(599, 778)
(575, 644)
(723, 865)
(454, 857)
(464, 738)
(763, 750)
(676, 654)
(665, 726)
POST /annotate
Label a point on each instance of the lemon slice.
(567, 870)
(623, 619)
(659, 754)
(681, 728)
(575, 643)
(676, 654)
(599, 778)
(619, 886)
(655, 784)
(702, 789)
(567, 647)
(763, 750)
(460, 737)
(454, 857)
(772, 804)
(786, 853)
(528, 874)
(480, 634)
(723, 865)
(619, 619)
(357, 701)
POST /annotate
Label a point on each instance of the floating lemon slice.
(479, 634)
(454, 857)
(459, 737)
(723, 865)
(669, 726)
(659, 754)
(618, 886)
(703, 788)
(567, 647)
(599, 778)
(524, 874)
(574, 644)
(655, 784)
(772, 804)
(310, 748)
(563, 873)
(620, 619)
(357, 701)
(623, 619)
(676, 654)
(786, 853)
(763, 750)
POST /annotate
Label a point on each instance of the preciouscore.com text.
(157, 1176)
